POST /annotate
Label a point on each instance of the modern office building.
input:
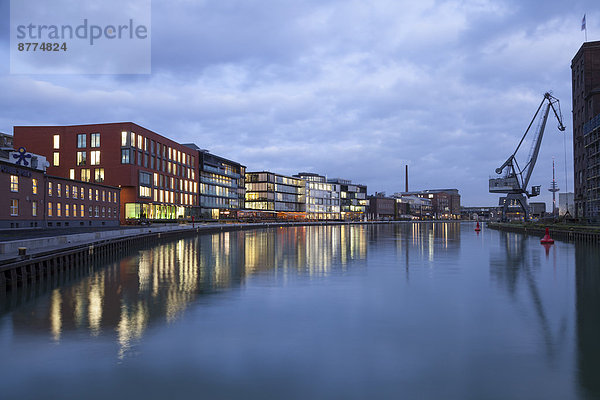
(222, 185)
(585, 73)
(322, 198)
(36, 200)
(157, 176)
(282, 195)
(445, 202)
(353, 199)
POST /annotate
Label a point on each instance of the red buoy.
(547, 239)
(477, 228)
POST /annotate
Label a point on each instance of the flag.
(583, 23)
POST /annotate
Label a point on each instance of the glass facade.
(222, 186)
(322, 198)
(353, 199)
(273, 192)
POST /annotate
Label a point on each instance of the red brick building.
(35, 199)
(157, 176)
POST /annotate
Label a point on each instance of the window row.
(75, 192)
(129, 156)
(81, 141)
(86, 173)
(67, 210)
(128, 139)
(71, 210)
(14, 184)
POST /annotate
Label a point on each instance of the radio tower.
(553, 188)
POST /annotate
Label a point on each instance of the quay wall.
(559, 233)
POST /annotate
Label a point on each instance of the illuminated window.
(145, 144)
(170, 154)
(74, 190)
(34, 209)
(85, 174)
(82, 194)
(82, 210)
(95, 142)
(103, 195)
(67, 191)
(124, 137)
(58, 211)
(14, 183)
(81, 158)
(66, 210)
(115, 197)
(74, 210)
(95, 157)
(34, 185)
(56, 142)
(90, 193)
(81, 139)
(56, 159)
(140, 143)
(14, 207)
(49, 209)
(49, 188)
(99, 175)
(58, 187)
(97, 195)
(72, 174)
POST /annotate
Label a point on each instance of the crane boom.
(516, 179)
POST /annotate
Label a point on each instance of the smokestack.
(406, 180)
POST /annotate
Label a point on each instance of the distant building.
(282, 195)
(566, 201)
(353, 199)
(537, 209)
(481, 213)
(445, 202)
(585, 73)
(381, 208)
(322, 198)
(413, 207)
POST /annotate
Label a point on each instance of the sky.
(348, 89)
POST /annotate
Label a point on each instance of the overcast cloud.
(349, 89)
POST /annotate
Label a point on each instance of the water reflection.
(518, 262)
(124, 298)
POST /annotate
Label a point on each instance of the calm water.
(425, 311)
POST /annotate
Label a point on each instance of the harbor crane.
(515, 179)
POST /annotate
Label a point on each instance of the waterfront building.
(445, 202)
(353, 199)
(157, 175)
(480, 213)
(381, 208)
(37, 200)
(282, 195)
(413, 207)
(222, 185)
(537, 209)
(585, 73)
(322, 198)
